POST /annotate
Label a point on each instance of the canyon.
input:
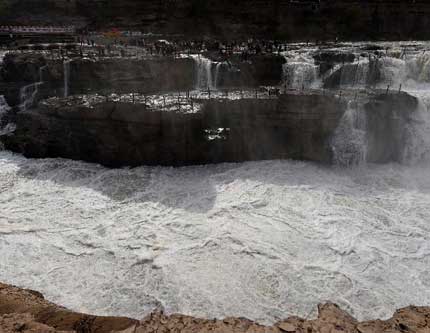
(145, 185)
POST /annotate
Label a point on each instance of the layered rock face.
(27, 311)
(258, 70)
(349, 73)
(293, 125)
(108, 75)
(116, 134)
(129, 75)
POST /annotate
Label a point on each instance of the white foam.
(262, 240)
(204, 78)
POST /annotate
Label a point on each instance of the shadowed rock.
(223, 130)
(387, 118)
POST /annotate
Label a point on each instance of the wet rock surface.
(132, 75)
(293, 125)
(27, 311)
(349, 74)
(387, 118)
(123, 75)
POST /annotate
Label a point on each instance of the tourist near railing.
(37, 30)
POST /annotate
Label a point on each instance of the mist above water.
(392, 67)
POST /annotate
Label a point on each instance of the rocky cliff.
(293, 125)
(223, 130)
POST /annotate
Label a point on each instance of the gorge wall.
(282, 19)
(130, 112)
(117, 134)
(290, 126)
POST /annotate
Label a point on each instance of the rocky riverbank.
(27, 311)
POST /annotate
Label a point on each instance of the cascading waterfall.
(4, 107)
(418, 69)
(355, 74)
(349, 144)
(5, 127)
(217, 71)
(28, 93)
(393, 71)
(300, 74)
(204, 77)
(417, 137)
(385, 71)
(2, 55)
(66, 74)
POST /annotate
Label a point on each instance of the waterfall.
(66, 73)
(349, 143)
(5, 127)
(300, 73)
(384, 71)
(4, 107)
(393, 71)
(417, 132)
(418, 69)
(358, 73)
(409, 73)
(28, 93)
(204, 78)
(217, 70)
(2, 55)
(358, 140)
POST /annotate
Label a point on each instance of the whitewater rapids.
(262, 240)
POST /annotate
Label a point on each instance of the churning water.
(262, 240)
